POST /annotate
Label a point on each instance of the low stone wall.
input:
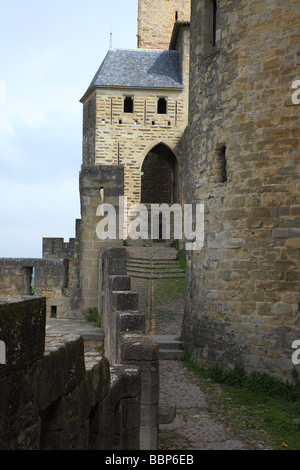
(126, 342)
(55, 396)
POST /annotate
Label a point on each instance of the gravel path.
(194, 427)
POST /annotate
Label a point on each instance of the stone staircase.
(153, 263)
(170, 347)
(147, 264)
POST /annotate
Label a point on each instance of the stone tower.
(135, 113)
(137, 105)
(131, 109)
(156, 20)
(242, 162)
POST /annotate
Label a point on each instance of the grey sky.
(49, 53)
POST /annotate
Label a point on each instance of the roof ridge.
(140, 50)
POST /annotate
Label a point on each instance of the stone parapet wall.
(125, 340)
(58, 248)
(54, 396)
(242, 163)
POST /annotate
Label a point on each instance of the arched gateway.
(160, 176)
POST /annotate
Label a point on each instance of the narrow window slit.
(214, 23)
(223, 164)
(53, 312)
(162, 106)
(128, 104)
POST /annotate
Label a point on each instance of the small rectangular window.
(53, 312)
(223, 164)
(162, 106)
(128, 104)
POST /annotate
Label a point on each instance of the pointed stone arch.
(160, 176)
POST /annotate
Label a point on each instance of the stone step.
(155, 262)
(169, 355)
(152, 266)
(146, 269)
(169, 346)
(155, 275)
(152, 253)
(149, 243)
(154, 269)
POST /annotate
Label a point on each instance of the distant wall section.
(43, 277)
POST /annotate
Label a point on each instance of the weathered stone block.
(137, 348)
(132, 322)
(22, 319)
(119, 283)
(149, 415)
(132, 381)
(150, 383)
(131, 414)
(62, 368)
(166, 414)
(125, 301)
(98, 376)
(149, 438)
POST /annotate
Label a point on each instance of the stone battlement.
(55, 396)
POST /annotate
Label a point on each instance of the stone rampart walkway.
(195, 426)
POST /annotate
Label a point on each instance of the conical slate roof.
(139, 68)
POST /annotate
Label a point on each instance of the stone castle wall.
(242, 161)
(156, 20)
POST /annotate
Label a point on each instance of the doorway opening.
(160, 183)
(160, 177)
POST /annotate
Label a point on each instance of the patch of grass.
(181, 256)
(93, 316)
(175, 244)
(258, 408)
(101, 349)
(169, 289)
(181, 259)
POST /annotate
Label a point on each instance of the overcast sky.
(49, 54)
